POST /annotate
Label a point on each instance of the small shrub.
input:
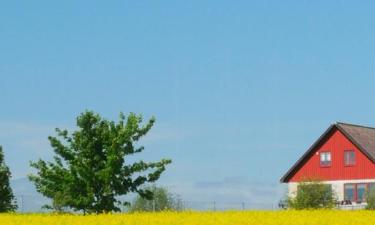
(161, 200)
(312, 194)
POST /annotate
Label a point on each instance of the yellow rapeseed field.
(323, 217)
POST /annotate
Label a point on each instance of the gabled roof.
(361, 136)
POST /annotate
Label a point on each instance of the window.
(349, 192)
(371, 187)
(361, 191)
(349, 157)
(357, 192)
(325, 158)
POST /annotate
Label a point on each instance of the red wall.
(336, 143)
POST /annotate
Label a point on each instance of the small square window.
(325, 159)
(349, 157)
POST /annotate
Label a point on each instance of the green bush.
(312, 194)
(161, 200)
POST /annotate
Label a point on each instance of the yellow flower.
(287, 217)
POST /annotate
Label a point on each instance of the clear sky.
(240, 89)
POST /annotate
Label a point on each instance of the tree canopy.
(90, 167)
(7, 199)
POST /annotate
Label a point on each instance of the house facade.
(342, 157)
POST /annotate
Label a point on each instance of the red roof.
(361, 136)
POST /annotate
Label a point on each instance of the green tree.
(7, 200)
(161, 200)
(312, 194)
(89, 170)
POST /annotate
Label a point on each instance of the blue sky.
(239, 89)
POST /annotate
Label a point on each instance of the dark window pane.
(349, 192)
(361, 192)
(349, 157)
(371, 187)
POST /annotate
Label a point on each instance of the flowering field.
(194, 218)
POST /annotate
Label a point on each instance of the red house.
(343, 157)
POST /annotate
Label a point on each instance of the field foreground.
(323, 217)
